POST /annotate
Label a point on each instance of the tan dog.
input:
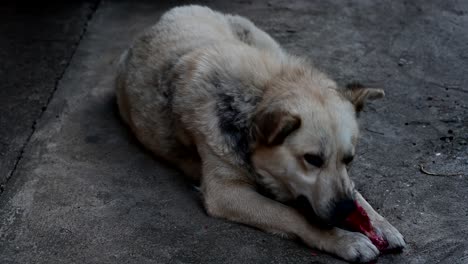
(217, 97)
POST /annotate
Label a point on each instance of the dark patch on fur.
(234, 124)
(215, 79)
(166, 83)
(243, 33)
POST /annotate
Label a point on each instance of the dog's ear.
(272, 128)
(357, 94)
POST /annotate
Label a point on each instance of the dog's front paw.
(352, 246)
(391, 234)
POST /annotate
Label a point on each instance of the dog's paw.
(391, 234)
(352, 246)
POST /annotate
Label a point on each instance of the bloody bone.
(359, 221)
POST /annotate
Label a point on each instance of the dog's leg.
(382, 226)
(229, 195)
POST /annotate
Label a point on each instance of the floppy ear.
(272, 128)
(357, 94)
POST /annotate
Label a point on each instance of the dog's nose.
(342, 209)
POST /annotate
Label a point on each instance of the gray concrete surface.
(86, 192)
(36, 44)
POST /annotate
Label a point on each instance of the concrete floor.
(79, 188)
(36, 46)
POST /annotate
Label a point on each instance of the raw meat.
(359, 221)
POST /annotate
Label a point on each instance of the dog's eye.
(314, 160)
(348, 159)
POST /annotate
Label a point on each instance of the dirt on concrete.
(85, 191)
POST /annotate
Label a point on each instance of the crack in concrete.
(93, 8)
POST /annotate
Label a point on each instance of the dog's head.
(306, 138)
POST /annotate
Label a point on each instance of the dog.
(219, 99)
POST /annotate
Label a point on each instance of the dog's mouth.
(356, 221)
(302, 205)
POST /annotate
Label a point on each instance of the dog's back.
(184, 29)
(144, 76)
(154, 74)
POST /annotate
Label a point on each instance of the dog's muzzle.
(304, 207)
(342, 209)
(339, 213)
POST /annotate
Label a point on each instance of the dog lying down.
(268, 136)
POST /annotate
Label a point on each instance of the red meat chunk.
(359, 221)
